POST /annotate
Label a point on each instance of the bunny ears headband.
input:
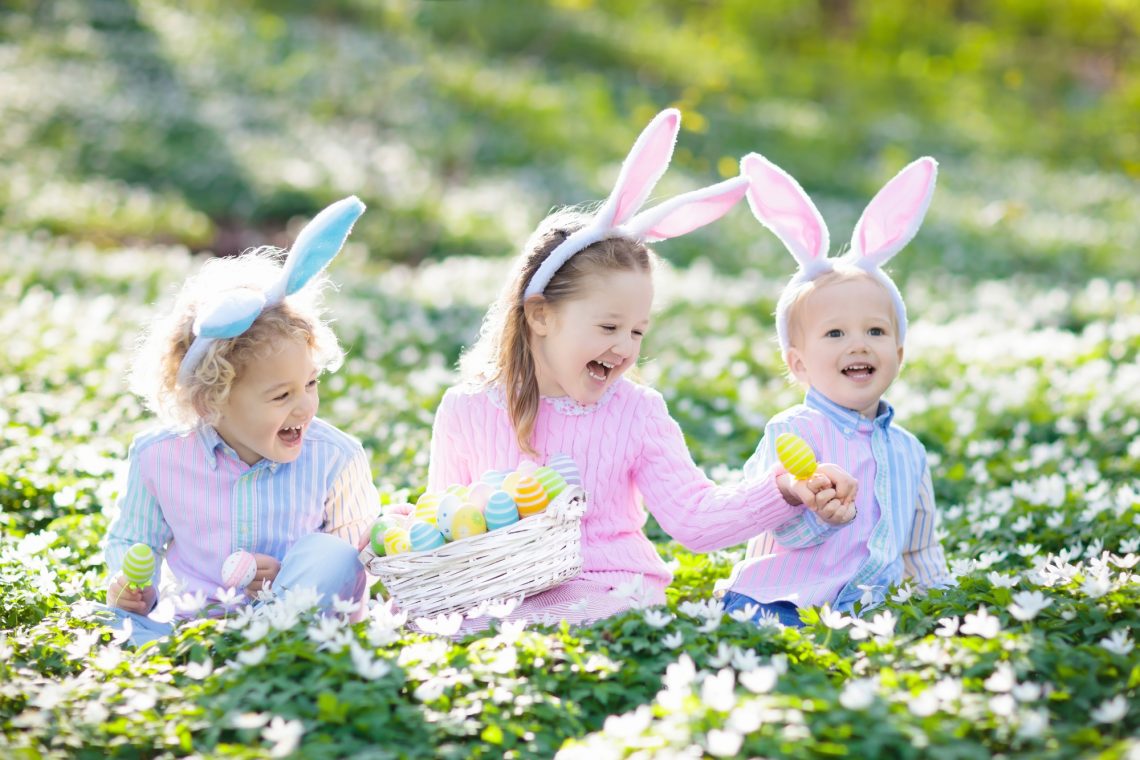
(233, 311)
(890, 221)
(646, 162)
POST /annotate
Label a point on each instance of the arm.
(689, 506)
(139, 520)
(923, 559)
(352, 504)
(446, 464)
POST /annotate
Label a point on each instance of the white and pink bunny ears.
(646, 162)
(890, 221)
(233, 311)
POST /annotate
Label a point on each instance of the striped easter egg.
(494, 478)
(500, 511)
(526, 467)
(239, 569)
(376, 537)
(397, 541)
(552, 481)
(458, 490)
(426, 506)
(567, 468)
(796, 456)
(468, 521)
(138, 565)
(510, 483)
(424, 537)
(444, 513)
(529, 495)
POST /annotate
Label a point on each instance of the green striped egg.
(138, 565)
(551, 480)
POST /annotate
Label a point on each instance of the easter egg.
(796, 456)
(239, 569)
(500, 511)
(458, 490)
(446, 510)
(565, 465)
(493, 478)
(478, 494)
(424, 536)
(552, 481)
(510, 482)
(403, 509)
(526, 467)
(468, 521)
(379, 528)
(138, 565)
(529, 495)
(427, 505)
(397, 541)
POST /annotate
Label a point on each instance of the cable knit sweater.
(628, 448)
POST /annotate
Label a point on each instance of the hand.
(844, 484)
(830, 493)
(267, 569)
(126, 597)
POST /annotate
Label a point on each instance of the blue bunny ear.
(230, 314)
(319, 242)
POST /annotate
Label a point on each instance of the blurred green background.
(215, 124)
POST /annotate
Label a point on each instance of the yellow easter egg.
(511, 481)
(427, 505)
(796, 456)
(397, 541)
(529, 495)
(468, 521)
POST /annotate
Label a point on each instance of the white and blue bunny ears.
(890, 221)
(234, 311)
(646, 162)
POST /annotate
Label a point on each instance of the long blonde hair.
(502, 353)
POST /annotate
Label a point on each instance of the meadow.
(149, 134)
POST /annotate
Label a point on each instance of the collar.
(212, 441)
(847, 420)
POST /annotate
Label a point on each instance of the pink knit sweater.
(628, 448)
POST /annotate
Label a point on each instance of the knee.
(326, 563)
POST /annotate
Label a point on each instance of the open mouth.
(858, 371)
(290, 436)
(600, 371)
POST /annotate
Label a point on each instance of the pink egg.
(526, 467)
(239, 569)
(478, 495)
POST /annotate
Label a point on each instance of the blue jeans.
(786, 612)
(318, 560)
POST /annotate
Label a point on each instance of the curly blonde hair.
(154, 374)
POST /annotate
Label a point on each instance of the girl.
(243, 461)
(546, 376)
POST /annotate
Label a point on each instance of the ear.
(229, 313)
(892, 218)
(317, 244)
(687, 212)
(902, 352)
(796, 364)
(539, 315)
(646, 162)
(781, 205)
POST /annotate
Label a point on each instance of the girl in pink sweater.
(546, 377)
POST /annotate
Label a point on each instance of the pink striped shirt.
(627, 448)
(193, 500)
(895, 532)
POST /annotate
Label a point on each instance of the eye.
(609, 328)
(639, 333)
(877, 331)
(282, 396)
(833, 333)
(313, 383)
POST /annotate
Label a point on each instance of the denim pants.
(786, 612)
(318, 560)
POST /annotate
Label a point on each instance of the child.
(546, 377)
(244, 463)
(841, 324)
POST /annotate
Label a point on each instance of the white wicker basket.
(534, 554)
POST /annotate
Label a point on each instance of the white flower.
(1111, 711)
(1001, 580)
(252, 656)
(191, 603)
(1003, 705)
(680, 674)
(430, 690)
(503, 607)
(123, 635)
(673, 640)
(1027, 604)
(1055, 520)
(1033, 723)
(505, 661)
(948, 689)
(325, 632)
(868, 597)
(250, 720)
(1002, 679)
(344, 606)
(108, 658)
(981, 624)
(724, 743)
(199, 670)
(82, 644)
(718, 692)
(709, 625)
(858, 694)
(284, 734)
(229, 597)
(925, 704)
(948, 626)
(744, 660)
(441, 625)
(366, 667)
(655, 618)
(1127, 562)
(256, 630)
(832, 619)
(745, 613)
(1027, 692)
(1028, 550)
(1096, 586)
(903, 593)
(723, 656)
(630, 725)
(759, 680)
(1118, 643)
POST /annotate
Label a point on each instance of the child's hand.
(845, 486)
(267, 569)
(124, 596)
(830, 493)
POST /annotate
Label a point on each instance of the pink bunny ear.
(685, 213)
(892, 218)
(646, 162)
(782, 206)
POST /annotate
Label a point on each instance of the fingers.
(126, 597)
(267, 569)
(836, 512)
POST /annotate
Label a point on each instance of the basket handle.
(570, 505)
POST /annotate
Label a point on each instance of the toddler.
(547, 377)
(243, 462)
(841, 324)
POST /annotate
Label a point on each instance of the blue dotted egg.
(424, 536)
(446, 510)
(500, 511)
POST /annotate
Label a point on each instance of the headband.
(890, 221)
(646, 162)
(233, 311)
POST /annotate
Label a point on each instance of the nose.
(306, 406)
(625, 346)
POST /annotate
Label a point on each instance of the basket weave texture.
(534, 554)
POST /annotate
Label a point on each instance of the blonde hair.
(502, 353)
(154, 374)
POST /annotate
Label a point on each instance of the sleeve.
(690, 507)
(352, 504)
(447, 464)
(804, 529)
(923, 559)
(138, 520)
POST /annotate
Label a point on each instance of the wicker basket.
(534, 554)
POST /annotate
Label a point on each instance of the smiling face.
(583, 344)
(271, 404)
(844, 343)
